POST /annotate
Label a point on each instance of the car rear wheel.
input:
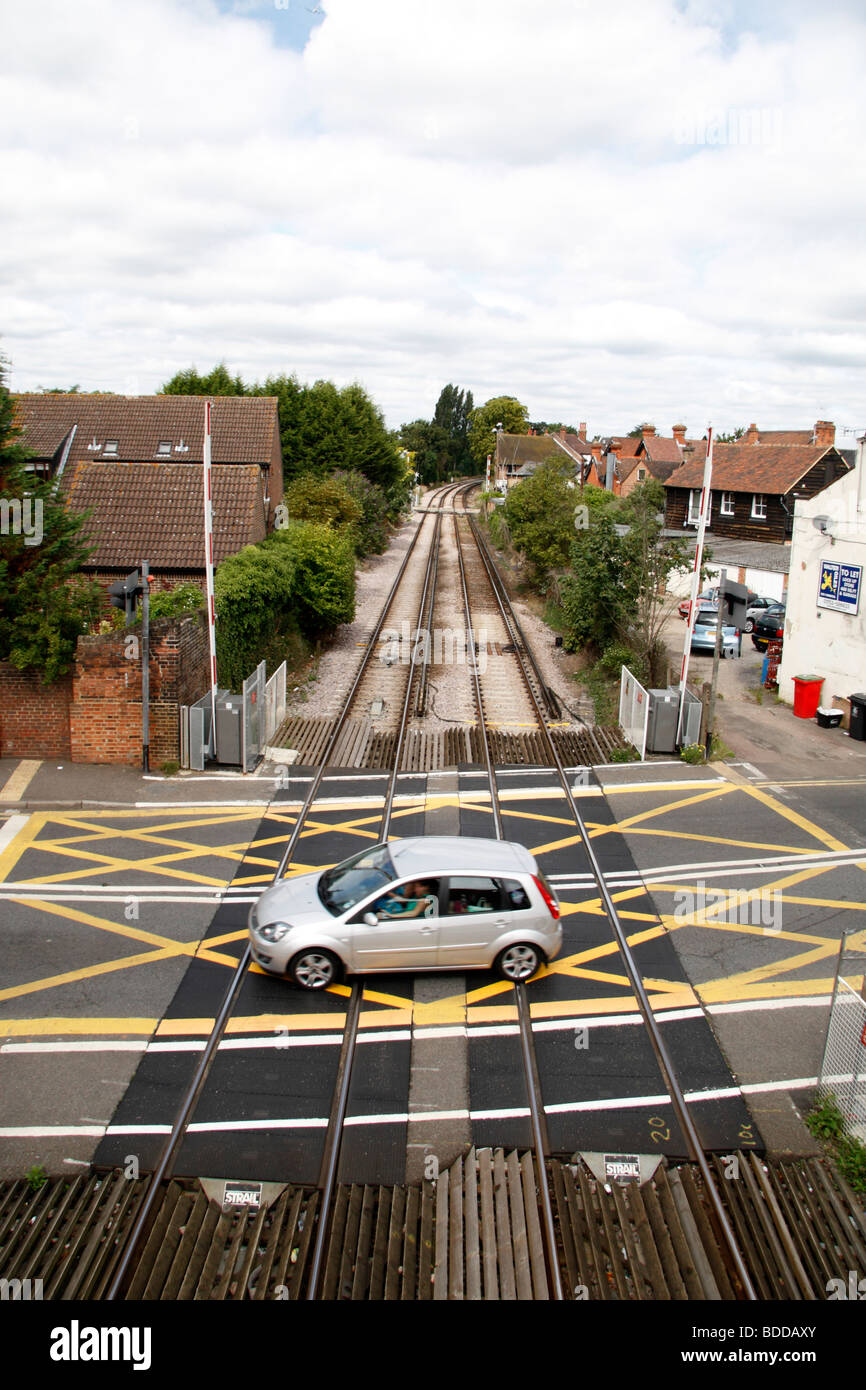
(519, 962)
(750, 623)
(313, 969)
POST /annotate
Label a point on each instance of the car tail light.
(550, 900)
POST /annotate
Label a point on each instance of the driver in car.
(411, 900)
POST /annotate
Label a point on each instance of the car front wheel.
(750, 623)
(314, 969)
(519, 962)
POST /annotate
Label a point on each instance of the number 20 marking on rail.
(661, 1133)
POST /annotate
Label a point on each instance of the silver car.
(427, 903)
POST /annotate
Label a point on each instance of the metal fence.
(252, 719)
(843, 1069)
(262, 711)
(275, 703)
(633, 710)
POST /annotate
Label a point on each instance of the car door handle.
(425, 931)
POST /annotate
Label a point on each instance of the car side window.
(516, 898)
(472, 894)
(406, 900)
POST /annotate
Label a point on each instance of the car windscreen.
(346, 884)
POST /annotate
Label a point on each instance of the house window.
(164, 446)
(641, 474)
(110, 448)
(727, 507)
(694, 514)
(759, 506)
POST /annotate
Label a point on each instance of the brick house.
(137, 462)
(651, 455)
(754, 484)
(519, 455)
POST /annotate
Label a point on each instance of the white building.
(825, 620)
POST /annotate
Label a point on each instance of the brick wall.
(34, 718)
(93, 715)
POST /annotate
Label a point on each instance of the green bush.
(693, 753)
(174, 603)
(618, 655)
(323, 574)
(324, 500)
(371, 527)
(252, 596)
(625, 755)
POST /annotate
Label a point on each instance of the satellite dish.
(821, 523)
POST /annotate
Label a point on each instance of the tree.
(218, 382)
(732, 437)
(616, 589)
(593, 598)
(647, 560)
(441, 445)
(540, 515)
(46, 604)
(504, 410)
(453, 413)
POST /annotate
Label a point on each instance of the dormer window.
(163, 449)
(110, 449)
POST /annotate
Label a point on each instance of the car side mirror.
(371, 919)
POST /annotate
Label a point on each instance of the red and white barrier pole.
(696, 574)
(208, 565)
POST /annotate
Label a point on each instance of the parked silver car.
(425, 903)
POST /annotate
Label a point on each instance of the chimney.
(647, 431)
(596, 452)
(679, 433)
(562, 431)
(751, 435)
(582, 430)
(825, 434)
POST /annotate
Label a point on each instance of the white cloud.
(643, 209)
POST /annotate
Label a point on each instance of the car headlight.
(273, 931)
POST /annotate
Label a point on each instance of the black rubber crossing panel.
(613, 1062)
(266, 1106)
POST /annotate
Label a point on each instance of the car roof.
(428, 854)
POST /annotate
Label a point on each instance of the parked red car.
(709, 596)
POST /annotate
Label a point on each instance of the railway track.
(444, 729)
(161, 1238)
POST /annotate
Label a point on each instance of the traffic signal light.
(124, 594)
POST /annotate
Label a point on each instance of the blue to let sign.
(839, 586)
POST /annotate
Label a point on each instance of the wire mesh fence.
(843, 1069)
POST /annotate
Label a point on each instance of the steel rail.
(665, 1062)
(426, 629)
(336, 1122)
(512, 619)
(188, 1103)
(527, 1049)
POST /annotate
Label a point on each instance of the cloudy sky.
(640, 209)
